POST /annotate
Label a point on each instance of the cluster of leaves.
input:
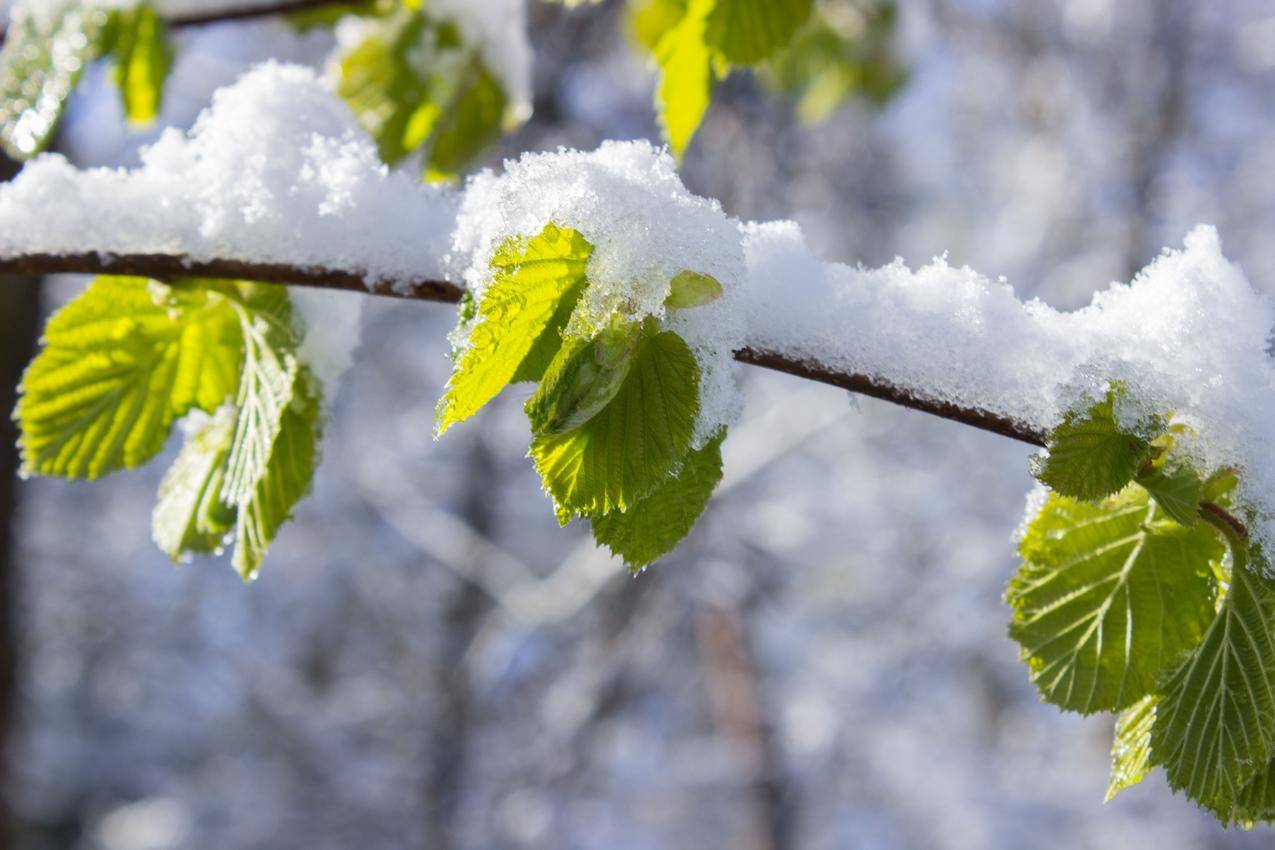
(613, 416)
(412, 81)
(819, 52)
(128, 357)
(415, 85)
(45, 53)
(1141, 593)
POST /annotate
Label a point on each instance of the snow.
(628, 201)
(332, 323)
(278, 170)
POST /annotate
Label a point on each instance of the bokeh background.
(427, 661)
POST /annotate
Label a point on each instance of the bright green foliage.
(189, 515)
(1091, 455)
(1256, 802)
(119, 364)
(823, 56)
(688, 290)
(654, 526)
(618, 457)
(413, 83)
(745, 32)
(269, 377)
(845, 50)
(40, 64)
(686, 76)
(1177, 490)
(1108, 598)
(143, 58)
(1131, 749)
(286, 478)
(583, 379)
(1216, 716)
(129, 356)
(520, 315)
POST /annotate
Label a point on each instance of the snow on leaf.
(520, 314)
(1091, 455)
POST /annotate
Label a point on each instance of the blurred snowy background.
(428, 662)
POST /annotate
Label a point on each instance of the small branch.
(1212, 510)
(168, 267)
(245, 11)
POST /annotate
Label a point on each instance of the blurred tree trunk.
(19, 317)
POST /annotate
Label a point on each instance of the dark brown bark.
(19, 319)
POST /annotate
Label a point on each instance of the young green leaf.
(1131, 749)
(686, 77)
(746, 32)
(1216, 716)
(266, 388)
(1256, 801)
(583, 379)
(688, 290)
(286, 479)
(119, 363)
(622, 454)
(189, 515)
(143, 58)
(1176, 489)
(520, 313)
(654, 526)
(1091, 455)
(648, 20)
(470, 121)
(44, 53)
(1109, 597)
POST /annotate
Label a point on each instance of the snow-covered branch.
(168, 267)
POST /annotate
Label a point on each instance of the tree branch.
(245, 11)
(168, 267)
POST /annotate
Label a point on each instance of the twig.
(244, 11)
(169, 267)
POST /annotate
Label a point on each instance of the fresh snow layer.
(277, 170)
(645, 227)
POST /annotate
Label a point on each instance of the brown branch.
(171, 266)
(245, 11)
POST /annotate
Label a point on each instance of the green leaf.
(654, 526)
(1216, 715)
(828, 61)
(686, 77)
(119, 363)
(622, 454)
(382, 85)
(1256, 801)
(746, 32)
(412, 83)
(648, 20)
(583, 379)
(1091, 455)
(189, 516)
(44, 53)
(688, 290)
(1109, 597)
(286, 479)
(266, 388)
(143, 58)
(1176, 489)
(518, 318)
(1131, 749)
(472, 120)
(1220, 485)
